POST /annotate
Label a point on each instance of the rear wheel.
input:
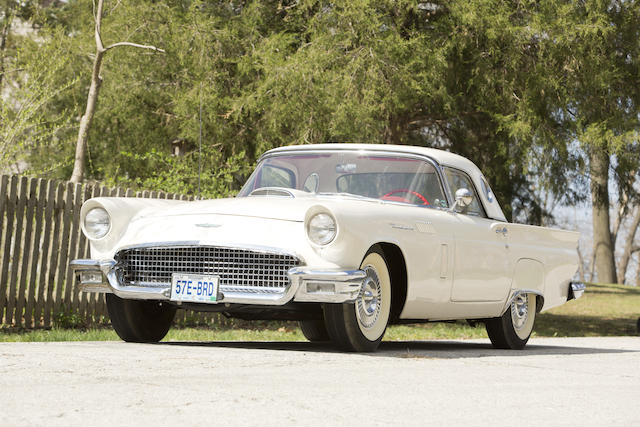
(361, 326)
(139, 320)
(314, 330)
(513, 329)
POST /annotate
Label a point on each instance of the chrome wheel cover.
(520, 311)
(369, 301)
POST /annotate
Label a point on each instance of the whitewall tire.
(513, 329)
(360, 326)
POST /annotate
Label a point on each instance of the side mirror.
(464, 197)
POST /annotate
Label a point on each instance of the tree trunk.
(85, 122)
(602, 243)
(628, 248)
(92, 99)
(8, 17)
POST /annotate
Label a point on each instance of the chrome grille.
(239, 269)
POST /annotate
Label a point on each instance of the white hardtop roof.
(440, 156)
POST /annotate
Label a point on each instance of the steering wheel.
(390, 196)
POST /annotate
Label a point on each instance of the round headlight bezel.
(321, 222)
(99, 224)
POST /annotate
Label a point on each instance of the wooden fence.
(39, 235)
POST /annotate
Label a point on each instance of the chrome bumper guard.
(306, 285)
(576, 290)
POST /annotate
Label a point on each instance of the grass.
(604, 310)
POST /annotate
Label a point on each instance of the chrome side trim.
(515, 293)
(576, 290)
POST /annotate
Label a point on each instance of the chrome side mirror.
(464, 197)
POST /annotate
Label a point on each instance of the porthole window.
(487, 190)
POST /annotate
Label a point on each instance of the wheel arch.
(398, 271)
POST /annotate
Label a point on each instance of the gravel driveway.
(570, 381)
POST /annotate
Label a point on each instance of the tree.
(602, 57)
(532, 92)
(630, 247)
(94, 90)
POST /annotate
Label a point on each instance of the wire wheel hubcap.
(369, 300)
(520, 311)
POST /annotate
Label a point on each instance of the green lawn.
(604, 310)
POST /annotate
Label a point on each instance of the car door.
(481, 264)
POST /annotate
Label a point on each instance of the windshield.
(375, 175)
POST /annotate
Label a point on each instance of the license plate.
(194, 288)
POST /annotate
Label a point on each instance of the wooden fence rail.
(39, 234)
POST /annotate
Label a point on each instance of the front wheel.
(513, 329)
(361, 326)
(314, 330)
(139, 320)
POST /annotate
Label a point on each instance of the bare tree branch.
(116, 6)
(141, 46)
(98, 22)
(581, 265)
(629, 247)
(592, 265)
(621, 214)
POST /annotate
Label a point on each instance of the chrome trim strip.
(306, 273)
(514, 294)
(272, 192)
(194, 243)
(576, 290)
(84, 265)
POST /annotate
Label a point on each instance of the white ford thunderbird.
(345, 238)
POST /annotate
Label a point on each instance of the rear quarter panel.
(555, 250)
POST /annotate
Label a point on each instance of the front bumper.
(305, 285)
(576, 290)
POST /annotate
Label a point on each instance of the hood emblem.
(208, 225)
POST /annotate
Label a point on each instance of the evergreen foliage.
(525, 89)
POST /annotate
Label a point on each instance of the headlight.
(97, 223)
(321, 229)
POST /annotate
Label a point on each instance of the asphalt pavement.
(555, 381)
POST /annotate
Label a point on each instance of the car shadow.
(408, 349)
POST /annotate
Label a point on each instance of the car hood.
(281, 208)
